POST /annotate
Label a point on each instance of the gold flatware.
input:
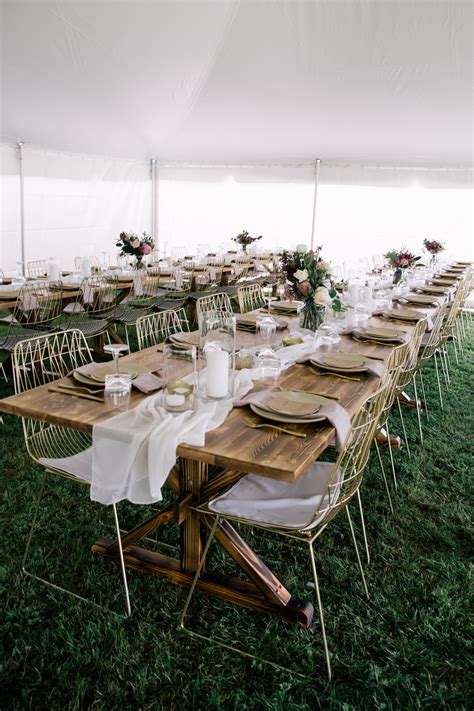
(93, 391)
(259, 425)
(337, 375)
(309, 392)
(67, 391)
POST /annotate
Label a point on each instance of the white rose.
(321, 296)
(301, 275)
(325, 265)
(301, 247)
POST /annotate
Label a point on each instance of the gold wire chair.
(430, 346)
(250, 297)
(37, 309)
(37, 268)
(146, 291)
(155, 328)
(90, 314)
(213, 302)
(320, 495)
(59, 450)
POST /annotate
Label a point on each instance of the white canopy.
(241, 80)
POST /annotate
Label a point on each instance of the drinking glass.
(115, 349)
(266, 327)
(117, 390)
(268, 366)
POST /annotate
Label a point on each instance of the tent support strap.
(317, 165)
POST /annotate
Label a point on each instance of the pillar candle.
(217, 373)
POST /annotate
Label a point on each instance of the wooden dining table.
(230, 451)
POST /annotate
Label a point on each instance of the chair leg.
(425, 403)
(364, 532)
(356, 548)
(59, 588)
(392, 461)
(382, 468)
(122, 562)
(445, 364)
(418, 414)
(320, 608)
(196, 578)
(439, 381)
(404, 428)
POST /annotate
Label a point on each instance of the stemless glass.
(117, 390)
(266, 327)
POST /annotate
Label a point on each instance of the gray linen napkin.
(334, 413)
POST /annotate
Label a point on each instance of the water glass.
(268, 366)
(361, 314)
(266, 327)
(117, 390)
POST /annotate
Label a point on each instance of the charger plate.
(404, 314)
(358, 365)
(380, 332)
(422, 299)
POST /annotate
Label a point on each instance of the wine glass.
(115, 349)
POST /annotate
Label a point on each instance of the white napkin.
(134, 451)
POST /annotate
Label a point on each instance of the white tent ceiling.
(374, 80)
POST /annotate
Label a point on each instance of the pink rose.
(135, 244)
(303, 288)
(146, 249)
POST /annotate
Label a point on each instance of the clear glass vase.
(312, 315)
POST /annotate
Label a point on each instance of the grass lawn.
(407, 647)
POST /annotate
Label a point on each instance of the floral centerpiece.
(135, 246)
(308, 278)
(434, 248)
(244, 239)
(400, 260)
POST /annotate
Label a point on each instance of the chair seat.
(78, 465)
(94, 327)
(281, 504)
(9, 342)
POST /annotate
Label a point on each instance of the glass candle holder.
(179, 371)
(217, 344)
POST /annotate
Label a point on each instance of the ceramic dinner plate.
(341, 360)
(347, 369)
(98, 376)
(434, 290)
(279, 417)
(185, 339)
(422, 299)
(380, 332)
(294, 404)
(284, 306)
(404, 314)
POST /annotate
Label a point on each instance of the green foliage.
(405, 648)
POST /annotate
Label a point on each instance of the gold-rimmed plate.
(404, 314)
(97, 376)
(185, 339)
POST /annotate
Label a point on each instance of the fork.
(257, 426)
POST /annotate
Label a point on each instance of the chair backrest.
(347, 472)
(155, 328)
(213, 302)
(98, 297)
(250, 297)
(37, 361)
(37, 268)
(411, 361)
(434, 336)
(91, 258)
(38, 305)
(146, 288)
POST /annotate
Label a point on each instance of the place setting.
(420, 299)
(402, 315)
(343, 365)
(251, 322)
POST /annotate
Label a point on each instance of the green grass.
(406, 648)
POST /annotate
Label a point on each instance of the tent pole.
(154, 202)
(20, 145)
(315, 199)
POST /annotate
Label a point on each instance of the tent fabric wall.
(74, 204)
(10, 213)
